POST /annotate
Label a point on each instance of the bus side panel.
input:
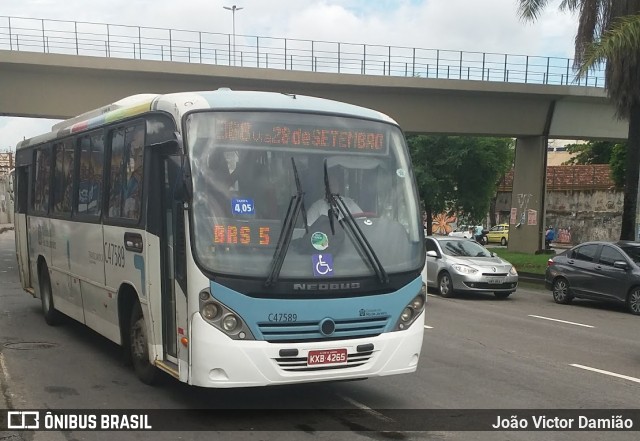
(87, 262)
(22, 250)
(39, 246)
(122, 266)
(65, 288)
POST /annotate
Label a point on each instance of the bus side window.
(127, 155)
(40, 201)
(134, 142)
(63, 176)
(116, 173)
(90, 182)
(21, 189)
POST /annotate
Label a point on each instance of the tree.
(459, 174)
(601, 152)
(591, 152)
(609, 32)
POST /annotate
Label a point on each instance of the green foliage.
(591, 152)
(527, 263)
(618, 164)
(459, 174)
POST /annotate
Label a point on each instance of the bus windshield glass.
(244, 166)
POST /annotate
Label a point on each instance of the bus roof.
(177, 104)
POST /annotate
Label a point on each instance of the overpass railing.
(148, 43)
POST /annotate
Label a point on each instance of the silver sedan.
(459, 264)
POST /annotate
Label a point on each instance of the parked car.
(459, 264)
(597, 271)
(499, 234)
(463, 231)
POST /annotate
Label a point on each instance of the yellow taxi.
(499, 234)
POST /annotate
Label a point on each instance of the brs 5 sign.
(254, 233)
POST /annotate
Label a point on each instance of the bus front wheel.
(139, 347)
(51, 315)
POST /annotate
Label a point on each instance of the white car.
(462, 231)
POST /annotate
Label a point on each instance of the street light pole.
(233, 10)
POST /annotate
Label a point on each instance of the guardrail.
(148, 43)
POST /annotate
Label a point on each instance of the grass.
(527, 263)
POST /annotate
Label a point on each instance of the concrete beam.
(62, 86)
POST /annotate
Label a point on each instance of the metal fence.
(147, 43)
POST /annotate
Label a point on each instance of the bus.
(228, 238)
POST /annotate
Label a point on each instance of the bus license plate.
(495, 281)
(327, 356)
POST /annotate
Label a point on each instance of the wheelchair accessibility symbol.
(322, 265)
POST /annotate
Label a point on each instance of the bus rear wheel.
(51, 315)
(139, 347)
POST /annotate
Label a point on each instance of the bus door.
(20, 194)
(172, 247)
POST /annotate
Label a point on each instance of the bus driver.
(337, 183)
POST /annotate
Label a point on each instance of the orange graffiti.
(442, 224)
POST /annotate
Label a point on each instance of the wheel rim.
(138, 340)
(634, 301)
(560, 290)
(444, 285)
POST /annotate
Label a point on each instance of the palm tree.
(609, 32)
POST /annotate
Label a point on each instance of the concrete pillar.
(526, 234)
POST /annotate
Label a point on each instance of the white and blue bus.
(228, 238)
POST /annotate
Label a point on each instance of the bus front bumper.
(218, 361)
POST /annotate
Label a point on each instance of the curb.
(531, 278)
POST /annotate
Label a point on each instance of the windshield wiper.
(337, 204)
(296, 205)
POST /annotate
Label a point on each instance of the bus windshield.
(244, 167)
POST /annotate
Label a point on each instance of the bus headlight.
(413, 310)
(223, 318)
(406, 315)
(209, 311)
(230, 322)
(417, 303)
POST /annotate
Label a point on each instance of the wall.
(581, 203)
(6, 203)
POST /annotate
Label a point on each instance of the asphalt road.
(525, 352)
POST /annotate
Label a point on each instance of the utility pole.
(233, 10)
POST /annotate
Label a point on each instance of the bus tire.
(139, 347)
(51, 315)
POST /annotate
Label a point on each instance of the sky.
(467, 25)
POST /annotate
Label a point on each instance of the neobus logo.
(325, 286)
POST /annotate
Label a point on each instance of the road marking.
(600, 371)
(428, 327)
(367, 409)
(561, 321)
(432, 295)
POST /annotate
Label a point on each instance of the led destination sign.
(239, 132)
(258, 234)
